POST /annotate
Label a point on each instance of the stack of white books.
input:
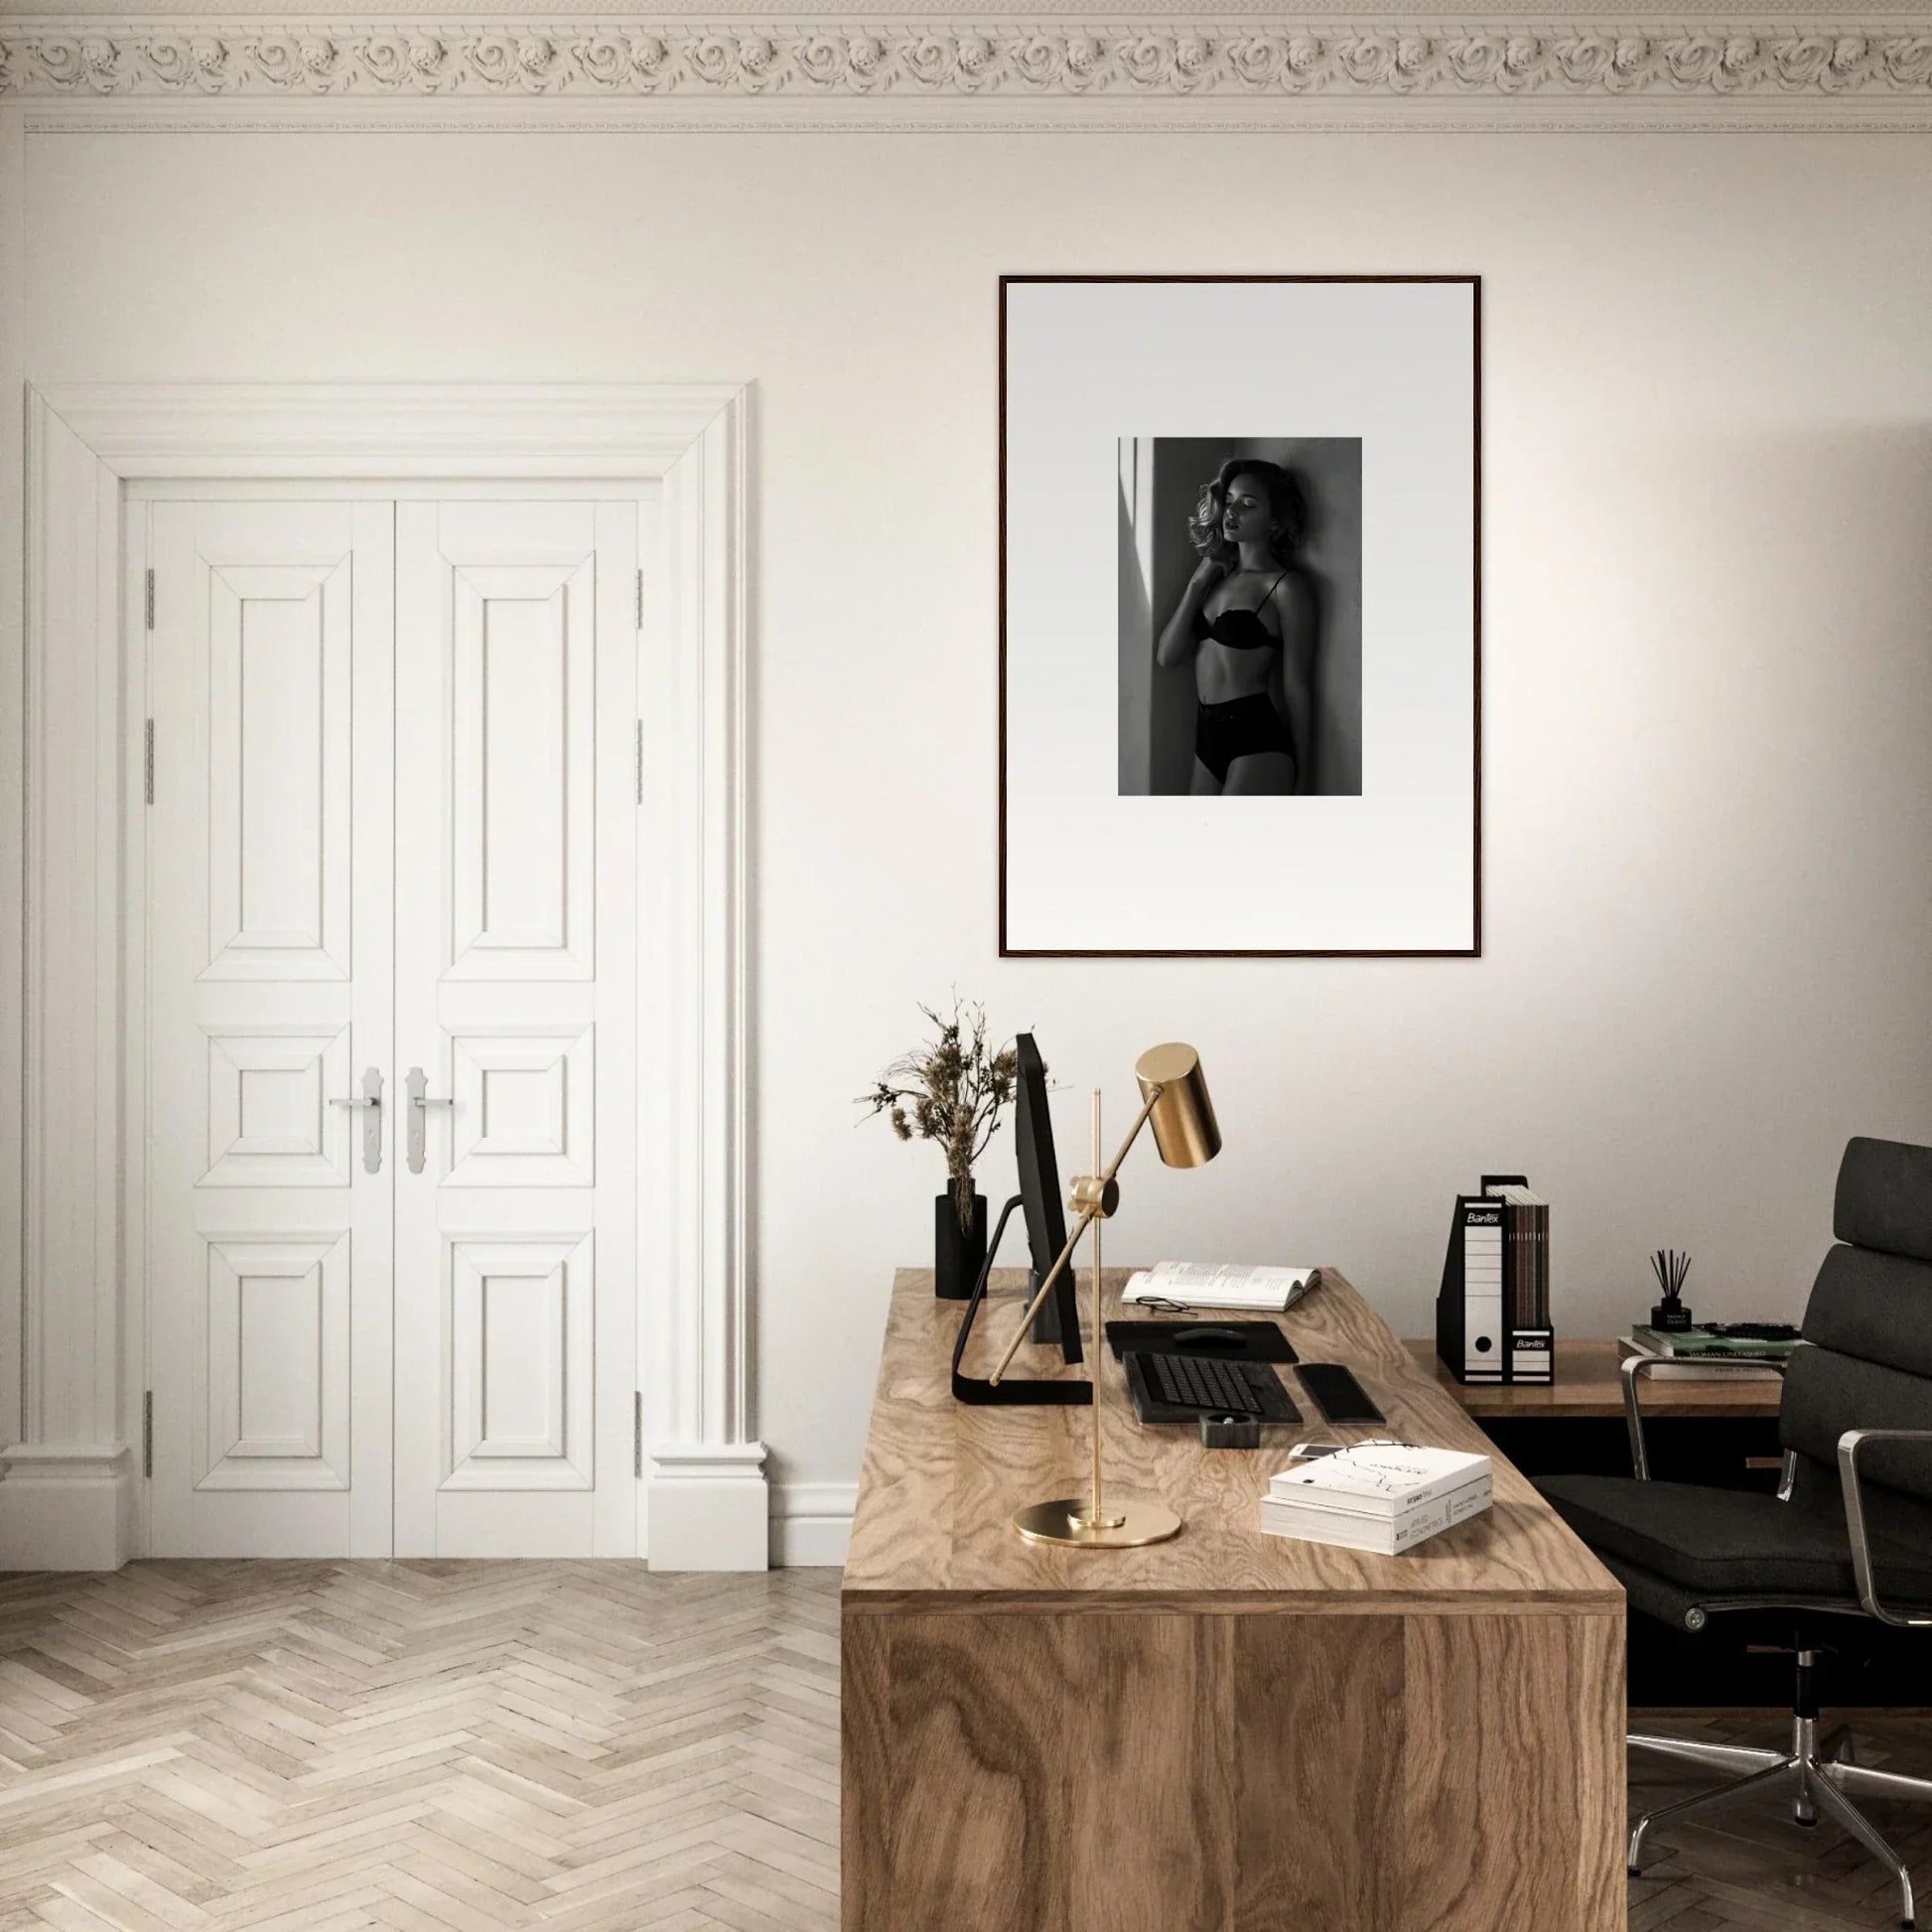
(1211, 1285)
(1383, 1496)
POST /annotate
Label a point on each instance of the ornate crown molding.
(1174, 61)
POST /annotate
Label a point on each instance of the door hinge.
(147, 761)
(641, 761)
(640, 598)
(150, 600)
(147, 1432)
(637, 1433)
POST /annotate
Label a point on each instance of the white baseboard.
(709, 1507)
(67, 1506)
(811, 1524)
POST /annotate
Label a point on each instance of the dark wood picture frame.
(1474, 948)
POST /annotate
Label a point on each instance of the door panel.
(523, 1108)
(270, 992)
(516, 976)
(524, 765)
(278, 676)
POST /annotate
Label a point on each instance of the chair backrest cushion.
(1884, 1197)
(1869, 1323)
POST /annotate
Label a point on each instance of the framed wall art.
(1240, 614)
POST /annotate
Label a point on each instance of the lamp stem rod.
(1053, 1275)
(1088, 1215)
(1099, 1357)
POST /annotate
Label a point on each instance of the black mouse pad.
(1222, 1341)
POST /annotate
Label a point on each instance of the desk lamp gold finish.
(1175, 1100)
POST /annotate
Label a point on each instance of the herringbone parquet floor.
(459, 1748)
(311, 1746)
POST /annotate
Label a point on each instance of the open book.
(1208, 1285)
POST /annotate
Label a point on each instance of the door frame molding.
(67, 1500)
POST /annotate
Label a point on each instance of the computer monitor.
(1040, 1197)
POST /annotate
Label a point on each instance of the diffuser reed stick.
(1669, 1267)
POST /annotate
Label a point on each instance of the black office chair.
(1852, 1519)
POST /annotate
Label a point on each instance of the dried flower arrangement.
(951, 1090)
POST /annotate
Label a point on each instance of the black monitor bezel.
(1039, 1192)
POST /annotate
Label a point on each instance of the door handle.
(420, 1102)
(369, 1098)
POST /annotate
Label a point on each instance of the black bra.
(1240, 628)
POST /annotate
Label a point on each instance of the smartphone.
(1337, 1394)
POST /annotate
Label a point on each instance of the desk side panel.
(1153, 1780)
(1317, 1723)
(976, 1776)
(1086, 1772)
(866, 1806)
(1513, 1774)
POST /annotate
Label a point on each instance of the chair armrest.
(1633, 1368)
(1849, 1446)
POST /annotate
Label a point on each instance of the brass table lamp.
(1175, 1099)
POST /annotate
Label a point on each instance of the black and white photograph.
(1240, 617)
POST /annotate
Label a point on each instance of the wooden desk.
(1227, 1731)
(1587, 1385)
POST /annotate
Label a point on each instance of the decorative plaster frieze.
(1174, 60)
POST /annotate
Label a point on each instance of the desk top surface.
(941, 1479)
(1587, 1385)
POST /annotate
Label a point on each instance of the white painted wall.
(1707, 657)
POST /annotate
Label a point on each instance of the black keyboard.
(1203, 1386)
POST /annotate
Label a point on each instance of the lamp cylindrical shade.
(1185, 1128)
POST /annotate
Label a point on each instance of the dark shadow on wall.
(1329, 470)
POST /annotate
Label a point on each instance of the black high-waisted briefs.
(1237, 730)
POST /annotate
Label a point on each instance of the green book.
(1700, 1341)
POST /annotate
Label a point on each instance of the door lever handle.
(420, 1102)
(370, 1098)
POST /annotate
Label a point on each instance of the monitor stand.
(1011, 1390)
(1054, 1319)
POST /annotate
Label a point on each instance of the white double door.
(390, 858)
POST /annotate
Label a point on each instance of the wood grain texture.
(1513, 1772)
(1151, 1769)
(978, 1773)
(1318, 1828)
(318, 1747)
(865, 1731)
(1148, 1772)
(1587, 1385)
(940, 1482)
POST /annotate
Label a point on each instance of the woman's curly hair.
(1290, 507)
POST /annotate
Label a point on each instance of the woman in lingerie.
(1245, 608)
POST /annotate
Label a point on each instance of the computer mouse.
(1207, 1336)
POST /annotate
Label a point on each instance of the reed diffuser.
(1670, 1268)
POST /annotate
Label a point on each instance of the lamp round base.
(1060, 1522)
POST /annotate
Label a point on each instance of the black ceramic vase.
(958, 1254)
